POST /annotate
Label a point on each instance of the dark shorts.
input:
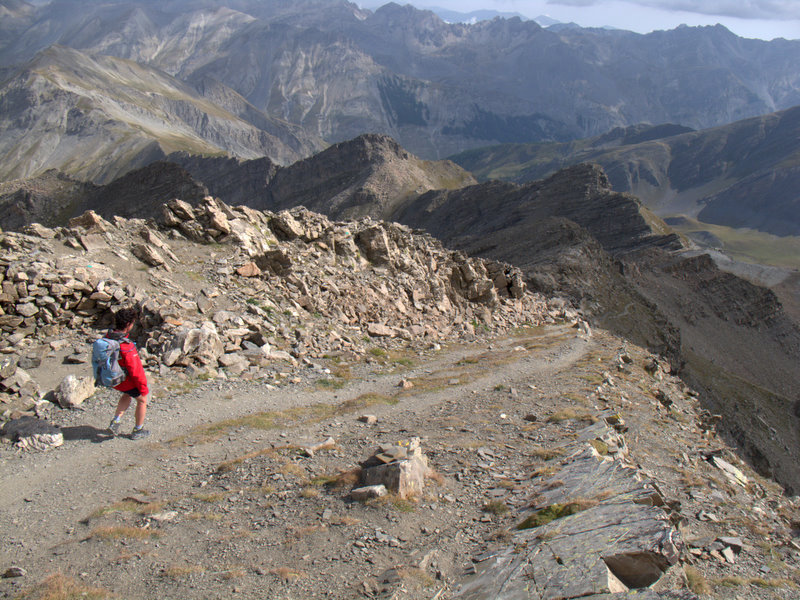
(133, 392)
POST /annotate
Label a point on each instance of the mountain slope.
(99, 117)
(437, 88)
(368, 176)
(745, 174)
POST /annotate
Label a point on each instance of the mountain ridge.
(63, 111)
(738, 175)
(339, 71)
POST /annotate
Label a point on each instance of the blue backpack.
(105, 363)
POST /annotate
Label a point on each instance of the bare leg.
(122, 405)
(141, 410)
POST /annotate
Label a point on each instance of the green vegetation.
(749, 245)
(555, 511)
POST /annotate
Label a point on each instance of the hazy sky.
(765, 19)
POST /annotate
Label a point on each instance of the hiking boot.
(113, 427)
(138, 434)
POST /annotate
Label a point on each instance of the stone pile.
(399, 468)
(274, 288)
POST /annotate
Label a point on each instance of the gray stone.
(404, 477)
(378, 330)
(93, 241)
(30, 433)
(286, 226)
(73, 391)
(27, 310)
(368, 492)
(40, 231)
(14, 571)
(147, 254)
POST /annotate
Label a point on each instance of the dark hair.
(124, 317)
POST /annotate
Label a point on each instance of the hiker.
(135, 383)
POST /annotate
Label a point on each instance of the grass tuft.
(134, 506)
(495, 507)
(288, 574)
(181, 571)
(555, 511)
(696, 580)
(63, 587)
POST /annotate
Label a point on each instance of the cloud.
(740, 9)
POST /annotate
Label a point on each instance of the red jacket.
(130, 361)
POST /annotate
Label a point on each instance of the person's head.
(124, 318)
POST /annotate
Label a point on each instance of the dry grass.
(230, 465)
(310, 492)
(736, 581)
(288, 574)
(127, 505)
(339, 480)
(123, 532)
(403, 505)
(63, 587)
(572, 414)
(181, 571)
(696, 581)
(281, 419)
(546, 453)
(416, 575)
(294, 470)
(345, 521)
(495, 507)
(308, 530)
(545, 471)
(211, 497)
(435, 477)
(233, 573)
(205, 516)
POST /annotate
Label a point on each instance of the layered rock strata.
(596, 527)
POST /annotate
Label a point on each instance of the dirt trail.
(44, 496)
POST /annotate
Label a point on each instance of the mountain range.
(302, 72)
(744, 174)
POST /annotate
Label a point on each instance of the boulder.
(147, 254)
(201, 344)
(401, 468)
(361, 494)
(249, 269)
(375, 245)
(29, 433)
(90, 221)
(286, 226)
(73, 391)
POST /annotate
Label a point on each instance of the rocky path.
(223, 501)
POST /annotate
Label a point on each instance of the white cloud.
(740, 9)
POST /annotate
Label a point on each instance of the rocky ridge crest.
(284, 287)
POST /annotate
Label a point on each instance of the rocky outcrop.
(367, 176)
(270, 275)
(595, 527)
